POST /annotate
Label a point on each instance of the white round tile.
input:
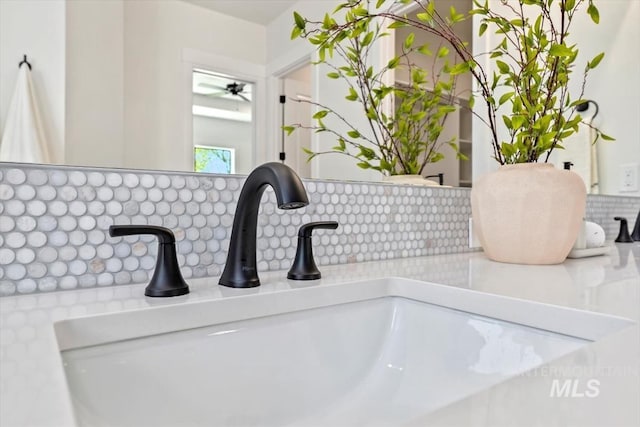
(114, 180)
(15, 240)
(58, 178)
(6, 224)
(15, 176)
(27, 286)
(47, 255)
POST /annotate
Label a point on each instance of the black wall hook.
(24, 61)
(583, 106)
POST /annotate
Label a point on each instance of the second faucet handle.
(304, 266)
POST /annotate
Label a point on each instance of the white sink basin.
(365, 353)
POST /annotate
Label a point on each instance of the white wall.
(614, 85)
(156, 35)
(95, 83)
(36, 28)
(282, 53)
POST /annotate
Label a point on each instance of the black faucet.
(635, 234)
(240, 269)
(440, 177)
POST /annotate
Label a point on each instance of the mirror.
(116, 89)
(222, 123)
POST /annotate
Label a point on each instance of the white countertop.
(33, 389)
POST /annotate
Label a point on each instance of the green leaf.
(436, 157)
(353, 95)
(300, 21)
(504, 98)
(396, 25)
(483, 28)
(424, 49)
(503, 67)
(354, 133)
(408, 42)
(295, 33)
(367, 153)
(360, 11)
(593, 13)
(333, 75)
(595, 61)
(454, 15)
(560, 50)
(517, 122)
(442, 52)
(424, 17)
(606, 137)
(393, 63)
(507, 149)
(368, 38)
(460, 68)
(327, 22)
(379, 3)
(288, 129)
(364, 165)
(320, 114)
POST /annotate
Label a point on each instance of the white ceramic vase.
(528, 213)
(409, 180)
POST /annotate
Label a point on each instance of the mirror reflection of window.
(209, 159)
(222, 111)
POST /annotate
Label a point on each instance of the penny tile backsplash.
(54, 222)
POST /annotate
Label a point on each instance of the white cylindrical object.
(594, 235)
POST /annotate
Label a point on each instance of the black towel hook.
(24, 61)
(583, 106)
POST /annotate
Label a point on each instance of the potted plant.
(527, 211)
(403, 122)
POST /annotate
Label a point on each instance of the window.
(214, 159)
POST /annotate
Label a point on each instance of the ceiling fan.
(235, 89)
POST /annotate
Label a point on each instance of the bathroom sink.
(380, 352)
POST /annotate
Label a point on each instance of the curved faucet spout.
(240, 269)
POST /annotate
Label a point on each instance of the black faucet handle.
(167, 280)
(306, 229)
(304, 266)
(164, 234)
(635, 234)
(623, 235)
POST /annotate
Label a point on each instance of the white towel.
(595, 177)
(24, 138)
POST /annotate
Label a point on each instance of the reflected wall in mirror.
(114, 79)
(223, 125)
